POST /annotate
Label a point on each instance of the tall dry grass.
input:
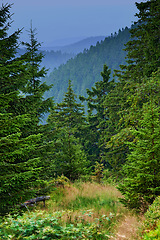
(92, 202)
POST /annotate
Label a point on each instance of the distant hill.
(79, 46)
(55, 56)
(84, 69)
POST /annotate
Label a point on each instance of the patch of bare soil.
(127, 229)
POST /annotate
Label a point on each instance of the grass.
(92, 202)
(77, 211)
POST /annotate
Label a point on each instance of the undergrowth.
(151, 225)
(74, 211)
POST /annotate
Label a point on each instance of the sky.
(61, 22)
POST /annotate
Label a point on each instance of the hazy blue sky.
(56, 20)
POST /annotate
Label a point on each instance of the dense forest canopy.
(120, 132)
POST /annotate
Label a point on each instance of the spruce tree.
(68, 156)
(142, 171)
(34, 102)
(97, 117)
(35, 88)
(69, 113)
(67, 122)
(143, 50)
(8, 49)
(19, 167)
(143, 58)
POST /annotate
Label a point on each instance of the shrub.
(42, 225)
(151, 228)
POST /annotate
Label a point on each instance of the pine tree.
(97, 117)
(69, 113)
(35, 88)
(19, 167)
(67, 121)
(143, 51)
(142, 171)
(34, 102)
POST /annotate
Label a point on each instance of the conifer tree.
(142, 171)
(8, 49)
(19, 167)
(68, 156)
(67, 121)
(97, 117)
(143, 50)
(35, 88)
(143, 58)
(69, 113)
(34, 102)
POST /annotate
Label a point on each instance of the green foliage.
(67, 121)
(19, 169)
(69, 113)
(142, 170)
(142, 60)
(41, 225)
(143, 50)
(34, 100)
(18, 161)
(35, 89)
(84, 69)
(69, 156)
(151, 225)
(98, 172)
(20, 137)
(153, 234)
(97, 118)
(152, 215)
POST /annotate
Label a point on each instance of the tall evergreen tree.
(69, 113)
(19, 166)
(142, 171)
(143, 51)
(35, 88)
(34, 102)
(97, 116)
(67, 121)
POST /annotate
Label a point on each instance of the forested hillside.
(116, 142)
(84, 70)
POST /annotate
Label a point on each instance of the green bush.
(41, 225)
(151, 229)
(153, 214)
(153, 234)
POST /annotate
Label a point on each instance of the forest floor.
(128, 228)
(80, 210)
(98, 201)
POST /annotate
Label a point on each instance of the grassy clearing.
(76, 211)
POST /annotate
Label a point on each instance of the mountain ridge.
(76, 47)
(84, 69)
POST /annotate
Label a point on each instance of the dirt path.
(127, 229)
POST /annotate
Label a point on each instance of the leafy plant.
(41, 225)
